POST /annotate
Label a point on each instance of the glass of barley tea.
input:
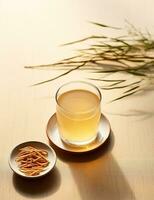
(78, 112)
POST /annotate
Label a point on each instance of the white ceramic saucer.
(54, 137)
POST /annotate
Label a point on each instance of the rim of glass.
(84, 82)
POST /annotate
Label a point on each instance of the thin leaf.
(117, 83)
(132, 89)
(84, 39)
(70, 58)
(123, 86)
(123, 96)
(59, 76)
(103, 25)
(38, 66)
(107, 71)
(136, 73)
(107, 80)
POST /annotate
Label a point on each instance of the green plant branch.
(131, 53)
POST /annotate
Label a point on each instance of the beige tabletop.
(30, 34)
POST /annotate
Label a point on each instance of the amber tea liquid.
(78, 115)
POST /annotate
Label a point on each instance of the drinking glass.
(78, 112)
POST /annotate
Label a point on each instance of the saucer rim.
(76, 150)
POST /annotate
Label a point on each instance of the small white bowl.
(51, 157)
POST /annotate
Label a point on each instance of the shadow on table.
(38, 188)
(86, 156)
(101, 179)
(97, 174)
(139, 114)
